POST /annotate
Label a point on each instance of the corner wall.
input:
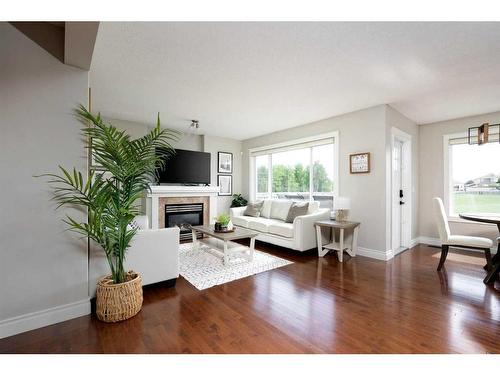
(432, 176)
(360, 131)
(43, 267)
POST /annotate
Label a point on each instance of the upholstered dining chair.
(466, 242)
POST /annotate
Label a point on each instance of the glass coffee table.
(229, 247)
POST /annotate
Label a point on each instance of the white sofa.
(299, 235)
(154, 253)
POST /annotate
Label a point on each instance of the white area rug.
(204, 268)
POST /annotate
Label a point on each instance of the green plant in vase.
(110, 202)
(238, 201)
(222, 221)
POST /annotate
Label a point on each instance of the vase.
(117, 302)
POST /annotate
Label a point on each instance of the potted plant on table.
(223, 223)
(110, 203)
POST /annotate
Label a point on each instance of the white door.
(398, 197)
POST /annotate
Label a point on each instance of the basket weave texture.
(116, 302)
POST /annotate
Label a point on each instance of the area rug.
(204, 267)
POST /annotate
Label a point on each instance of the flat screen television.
(186, 167)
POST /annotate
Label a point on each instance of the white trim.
(313, 138)
(38, 319)
(447, 160)
(405, 235)
(414, 242)
(375, 254)
(318, 137)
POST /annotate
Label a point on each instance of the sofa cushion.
(243, 221)
(279, 209)
(281, 229)
(261, 224)
(297, 209)
(266, 209)
(253, 209)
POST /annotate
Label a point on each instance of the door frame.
(406, 212)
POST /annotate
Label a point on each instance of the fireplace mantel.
(172, 191)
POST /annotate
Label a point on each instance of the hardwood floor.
(312, 306)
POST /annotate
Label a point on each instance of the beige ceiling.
(242, 80)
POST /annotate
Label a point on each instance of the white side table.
(340, 246)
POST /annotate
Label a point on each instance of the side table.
(340, 246)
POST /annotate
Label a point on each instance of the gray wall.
(42, 266)
(215, 144)
(360, 131)
(432, 177)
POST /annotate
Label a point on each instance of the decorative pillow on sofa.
(253, 209)
(297, 209)
(280, 208)
(266, 209)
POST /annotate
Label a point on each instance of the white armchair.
(447, 239)
(153, 253)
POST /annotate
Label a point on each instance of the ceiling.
(242, 80)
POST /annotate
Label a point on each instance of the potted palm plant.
(110, 200)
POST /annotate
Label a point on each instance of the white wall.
(432, 174)
(41, 265)
(360, 131)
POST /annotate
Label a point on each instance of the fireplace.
(182, 215)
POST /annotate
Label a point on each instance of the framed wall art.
(224, 162)
(359, 163)
(225, 184)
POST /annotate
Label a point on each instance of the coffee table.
(228, 246)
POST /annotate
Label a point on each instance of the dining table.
(489, 218)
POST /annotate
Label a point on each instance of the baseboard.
(429, 241)
(375, 254)
(414, 242)
(38, 319)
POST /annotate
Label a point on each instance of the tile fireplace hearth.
(187, 198)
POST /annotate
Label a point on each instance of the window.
(304, 170)
(473, 176)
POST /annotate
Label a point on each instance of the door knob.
(401, 202)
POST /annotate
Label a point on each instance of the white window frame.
(447, 181)
(447, 160)
(291, 144)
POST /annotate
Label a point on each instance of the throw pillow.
(297, 209)
(253, 209)
(266, 208)
(280, 208)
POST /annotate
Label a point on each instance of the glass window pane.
(291, 174)
(262, 173)
(323, 175)
(475, 178)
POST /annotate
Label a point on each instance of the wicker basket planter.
(117, 302)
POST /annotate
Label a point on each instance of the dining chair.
(465, 242)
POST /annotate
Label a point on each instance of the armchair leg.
(444, 253)
(492, 274)
(487, 255)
